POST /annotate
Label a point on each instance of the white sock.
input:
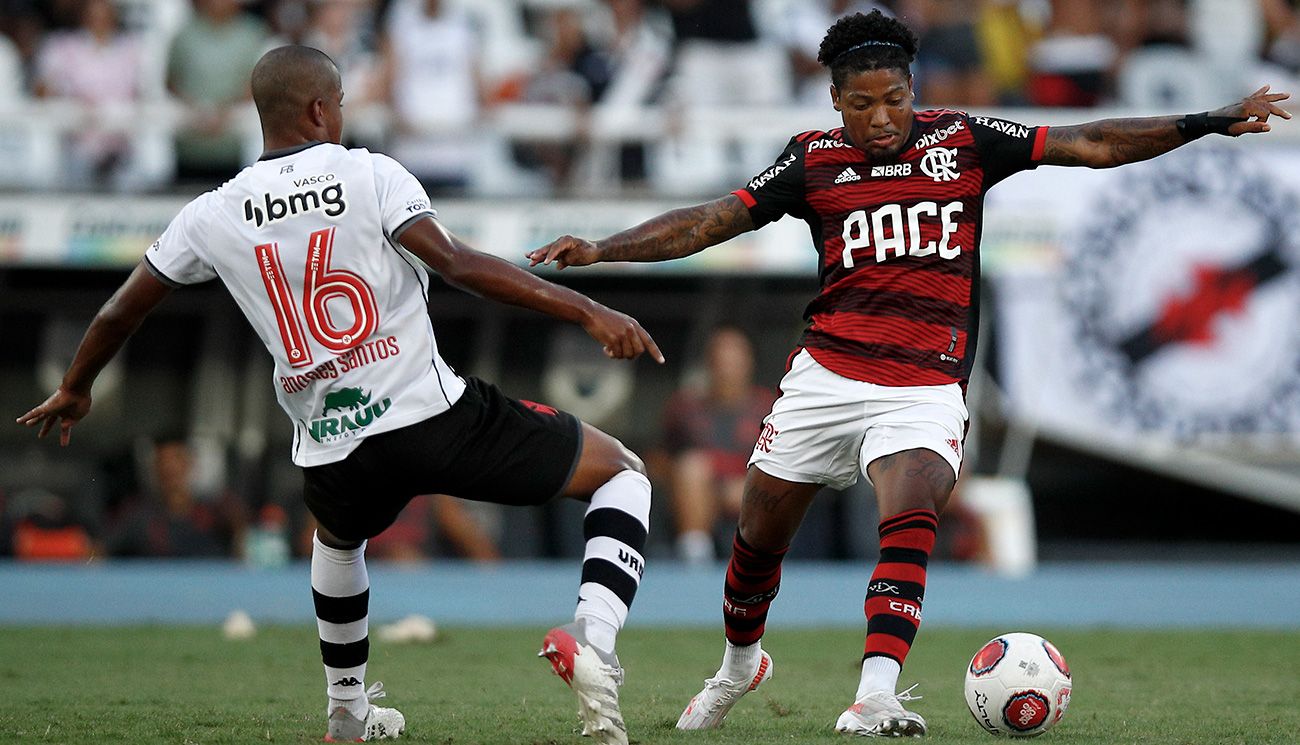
(341, 593)
(615, 527)
(878, 674)
(600, 633)
(740, 663)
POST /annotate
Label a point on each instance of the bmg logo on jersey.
(274, 209)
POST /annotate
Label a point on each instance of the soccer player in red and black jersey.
(894, 200)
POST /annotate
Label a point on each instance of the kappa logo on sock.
(347, 682)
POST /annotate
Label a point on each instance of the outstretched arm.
(478, 273)
(672, 235)
(113, 325)
(1114, 142)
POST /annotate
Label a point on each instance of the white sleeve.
(175, 257)
(402, 200)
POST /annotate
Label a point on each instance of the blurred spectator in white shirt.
(804, 26)
(430, 50)
(721, 62)
(99, 67)
(344, 30)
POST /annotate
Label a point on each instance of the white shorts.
(825, 428)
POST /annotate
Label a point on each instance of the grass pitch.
(188, 685)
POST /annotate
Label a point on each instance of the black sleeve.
(1006, 147)
(778, 190)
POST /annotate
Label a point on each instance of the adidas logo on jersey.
(275, 209)
(847, 175)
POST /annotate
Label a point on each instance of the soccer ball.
(1018, 685)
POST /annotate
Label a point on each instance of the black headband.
(871, 43)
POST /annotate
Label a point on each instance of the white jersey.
(306, 242)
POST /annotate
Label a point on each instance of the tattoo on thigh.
(768, 501)
(933, 469)
(886, 463)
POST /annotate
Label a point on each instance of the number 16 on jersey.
(320, 286)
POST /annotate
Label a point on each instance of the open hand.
(565, 251)
(63, 406)
(1255, 109)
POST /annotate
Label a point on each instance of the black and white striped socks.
(340, 588)
(615, 529)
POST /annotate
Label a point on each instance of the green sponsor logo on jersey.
(355, 412)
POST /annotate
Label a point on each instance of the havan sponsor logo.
(355, 412)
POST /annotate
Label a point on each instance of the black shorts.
(487, 447)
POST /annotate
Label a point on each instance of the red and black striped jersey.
(898, 241)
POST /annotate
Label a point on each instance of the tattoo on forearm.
(1111, 142)
(680, 232)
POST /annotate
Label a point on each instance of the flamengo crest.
(940, 163)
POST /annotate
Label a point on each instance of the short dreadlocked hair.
(858, 43)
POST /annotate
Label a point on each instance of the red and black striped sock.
(893, 604)
(753, 579)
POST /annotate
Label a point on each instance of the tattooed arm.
(1114, 142)
(672, 235)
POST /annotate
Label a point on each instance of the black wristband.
(1195, 126)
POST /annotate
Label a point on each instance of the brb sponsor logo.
(272, 209)
(355, 412)
(892, 170)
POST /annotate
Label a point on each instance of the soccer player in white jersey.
(318, 246)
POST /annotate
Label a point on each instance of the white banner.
(1160, 297)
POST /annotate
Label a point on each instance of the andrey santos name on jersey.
(274, 209)
(371, 351)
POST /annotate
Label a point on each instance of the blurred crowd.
(177, 495)
(427, 80)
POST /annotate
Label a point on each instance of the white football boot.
(881, 714)
(380, 723)
(594, 676)
(710, 706)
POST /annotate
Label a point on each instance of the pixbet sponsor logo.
(937, 136)
(272, 209)
(826, 144)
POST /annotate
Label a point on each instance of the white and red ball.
(1018, 685)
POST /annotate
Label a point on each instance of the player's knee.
(332, 541)
(629, 461)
